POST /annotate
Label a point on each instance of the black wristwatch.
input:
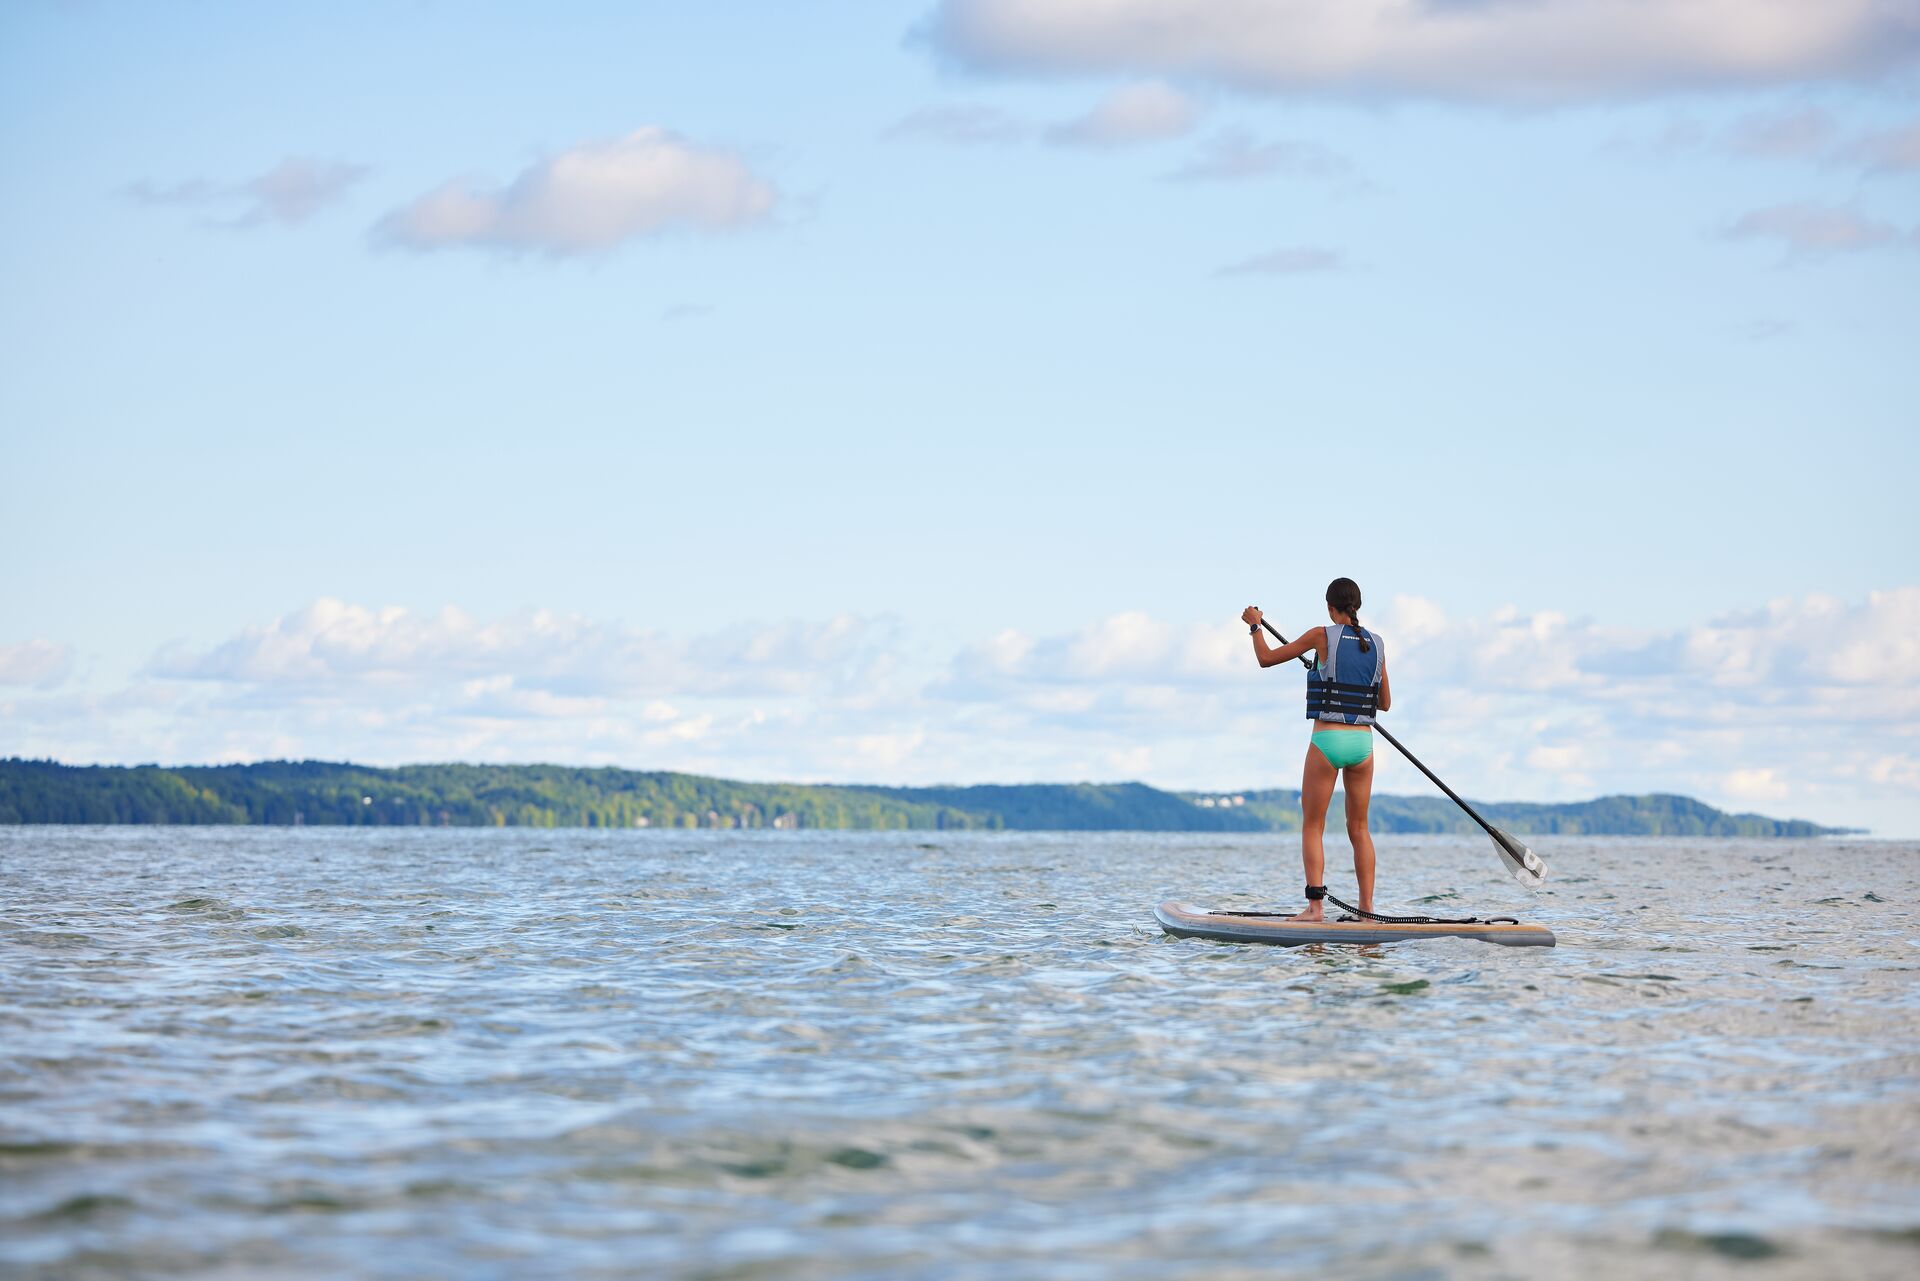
(1254, 630)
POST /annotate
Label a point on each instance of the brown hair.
(1343, 594)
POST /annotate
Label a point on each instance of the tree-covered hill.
(1656, 814)
(1082, 807)
(326, 793)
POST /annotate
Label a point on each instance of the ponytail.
(1343, 594)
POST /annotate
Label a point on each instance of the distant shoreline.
(323, 793)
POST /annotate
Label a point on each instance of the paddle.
(1521, 861)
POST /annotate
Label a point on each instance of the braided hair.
(1343, 594)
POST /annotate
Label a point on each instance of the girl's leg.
(1316, 793)
(1359, 780)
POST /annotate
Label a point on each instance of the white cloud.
(1510, 51)
(39, 663)
(331, 645)
(1812, 704)
(1806, 134)
(1891, 151)
(589, 198)
(1416, 619)
(1005, 653)
(967, 124)
(288, 194)
(1813, 230)
(1756, 785)
(1115, 650)
(876, 753)
(1150, 111)
(1235, 155)
(1807, 131)
(1807, 706)
(1804, 656)
(296, 189)
(1295, 261)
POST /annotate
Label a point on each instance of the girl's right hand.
(1251, 616)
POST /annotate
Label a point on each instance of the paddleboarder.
(1346, 686)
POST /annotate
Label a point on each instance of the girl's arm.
(1386, 689)
(1311, 639)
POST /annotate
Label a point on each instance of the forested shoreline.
(321, 793)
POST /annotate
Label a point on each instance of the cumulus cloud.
(1756, 784)
(1811, 230)
(39, 663)
(1800, 656)
(333, 645)
(1297, 261)
(1796, 134)
(1131, 646)
(1507, 51)
(589, 198)
(341, 680)
(1150, 111)
(1808, 131)
(287, 194)
(1889, 151)
(1808, 706)
(1235, 155)
(966, 124)
(1811, 702)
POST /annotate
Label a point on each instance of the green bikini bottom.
(1344, 747)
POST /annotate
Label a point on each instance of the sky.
(917, 391)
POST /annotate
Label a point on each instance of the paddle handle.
(1417, 763)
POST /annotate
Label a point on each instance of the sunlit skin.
(1319, 776)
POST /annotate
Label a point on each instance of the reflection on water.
(501, 1054)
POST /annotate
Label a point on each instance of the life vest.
(1345, 685)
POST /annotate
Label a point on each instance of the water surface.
(387, 1053)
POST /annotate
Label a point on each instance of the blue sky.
(916, 391)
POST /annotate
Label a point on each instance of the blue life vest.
(1345, 686)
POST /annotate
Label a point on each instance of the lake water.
(479, 1054)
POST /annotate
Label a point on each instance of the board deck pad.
(1186, 920)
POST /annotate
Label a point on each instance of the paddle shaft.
(1417, 764)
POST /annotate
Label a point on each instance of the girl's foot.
(1315, 912)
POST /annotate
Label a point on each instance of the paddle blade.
(1521, 861)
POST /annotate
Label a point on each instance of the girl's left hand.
(1251, 617)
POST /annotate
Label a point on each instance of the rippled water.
(504, 1054)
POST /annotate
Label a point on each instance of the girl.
(1347, 685)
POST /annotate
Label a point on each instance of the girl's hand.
(1251, 616)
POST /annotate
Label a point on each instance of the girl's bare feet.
(1316, 912)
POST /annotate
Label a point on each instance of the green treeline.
(290, 793)
(1082, 807)
(319, 793)
(1657, 814)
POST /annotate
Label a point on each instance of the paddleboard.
(1185, 920)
